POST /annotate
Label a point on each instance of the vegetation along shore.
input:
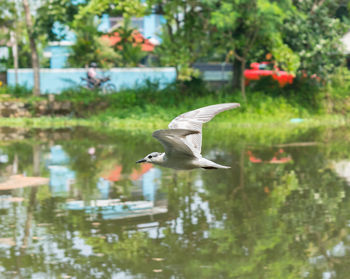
(148, 106)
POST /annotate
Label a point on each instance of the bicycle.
(103, 84)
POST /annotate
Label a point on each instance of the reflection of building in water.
(342, 168)
(4, 158)
(5, 170)
(117, 209)
(145, 180)
(150, 182)
(61, 177)
(103, 185)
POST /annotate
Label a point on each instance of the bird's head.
(154, 157)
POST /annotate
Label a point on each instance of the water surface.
(73, 204)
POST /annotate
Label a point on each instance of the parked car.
(264, 69)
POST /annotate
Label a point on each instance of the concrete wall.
(59, 55)
(55, 80)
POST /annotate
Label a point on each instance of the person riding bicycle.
(93, 80)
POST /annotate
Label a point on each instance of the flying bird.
(183, 140)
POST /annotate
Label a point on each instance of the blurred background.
(167, 41)
(83, 84)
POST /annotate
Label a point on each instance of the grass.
(228, 122)
(150, 107)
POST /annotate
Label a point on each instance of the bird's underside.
(190, 162)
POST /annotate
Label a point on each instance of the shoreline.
(240, 121)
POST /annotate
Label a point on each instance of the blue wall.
(152, 26)
(104, 24)
(55, 80)
(59, 56)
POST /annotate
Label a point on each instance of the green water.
(282, 211)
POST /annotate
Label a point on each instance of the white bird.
(183, 140)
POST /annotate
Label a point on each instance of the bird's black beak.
(141, 161)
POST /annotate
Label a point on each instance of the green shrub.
(149, 101)
(16, 91)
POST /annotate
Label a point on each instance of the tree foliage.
(302, 36)
(126, 8)
(129, 46)
(90, 47)
(186, 35)
(124, 52)
(7, 14)
(245, 26)
(296, 33)
(313, 32)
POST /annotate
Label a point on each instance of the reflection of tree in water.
(298, 213)
(22, 153)
(252, 221)
(273, 232)
(110, 149)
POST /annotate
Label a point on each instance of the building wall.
(59, 56)
(152, 26)
(55, 80)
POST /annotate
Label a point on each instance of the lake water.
(73, 204)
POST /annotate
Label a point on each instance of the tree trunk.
(243, 63)
(36, 159)
(34, 51)
(236, 74)
(238, 80)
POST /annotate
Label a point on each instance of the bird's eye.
(150, 156)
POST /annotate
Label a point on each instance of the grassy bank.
(238, 121)
(149, 107)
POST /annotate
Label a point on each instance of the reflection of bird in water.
(183, 140)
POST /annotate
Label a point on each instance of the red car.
(267, 69)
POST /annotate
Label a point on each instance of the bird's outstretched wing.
(193, 120)
(173, 141)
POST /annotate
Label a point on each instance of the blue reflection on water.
(61, 177)
(147, 180)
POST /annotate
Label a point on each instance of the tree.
(243, 25)
(33, 48)
(186, 35)
(89, 42)
(8, 18)
(128, 48)
(90, 47)
(314, 33)
(55, 13)
(126, 8)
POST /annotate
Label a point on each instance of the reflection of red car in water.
(264, 69)
(276, 159)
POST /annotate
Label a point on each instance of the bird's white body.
(185, 162)
(183, 140)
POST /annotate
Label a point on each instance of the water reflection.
(282, 211)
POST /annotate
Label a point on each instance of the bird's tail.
(208, 165)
